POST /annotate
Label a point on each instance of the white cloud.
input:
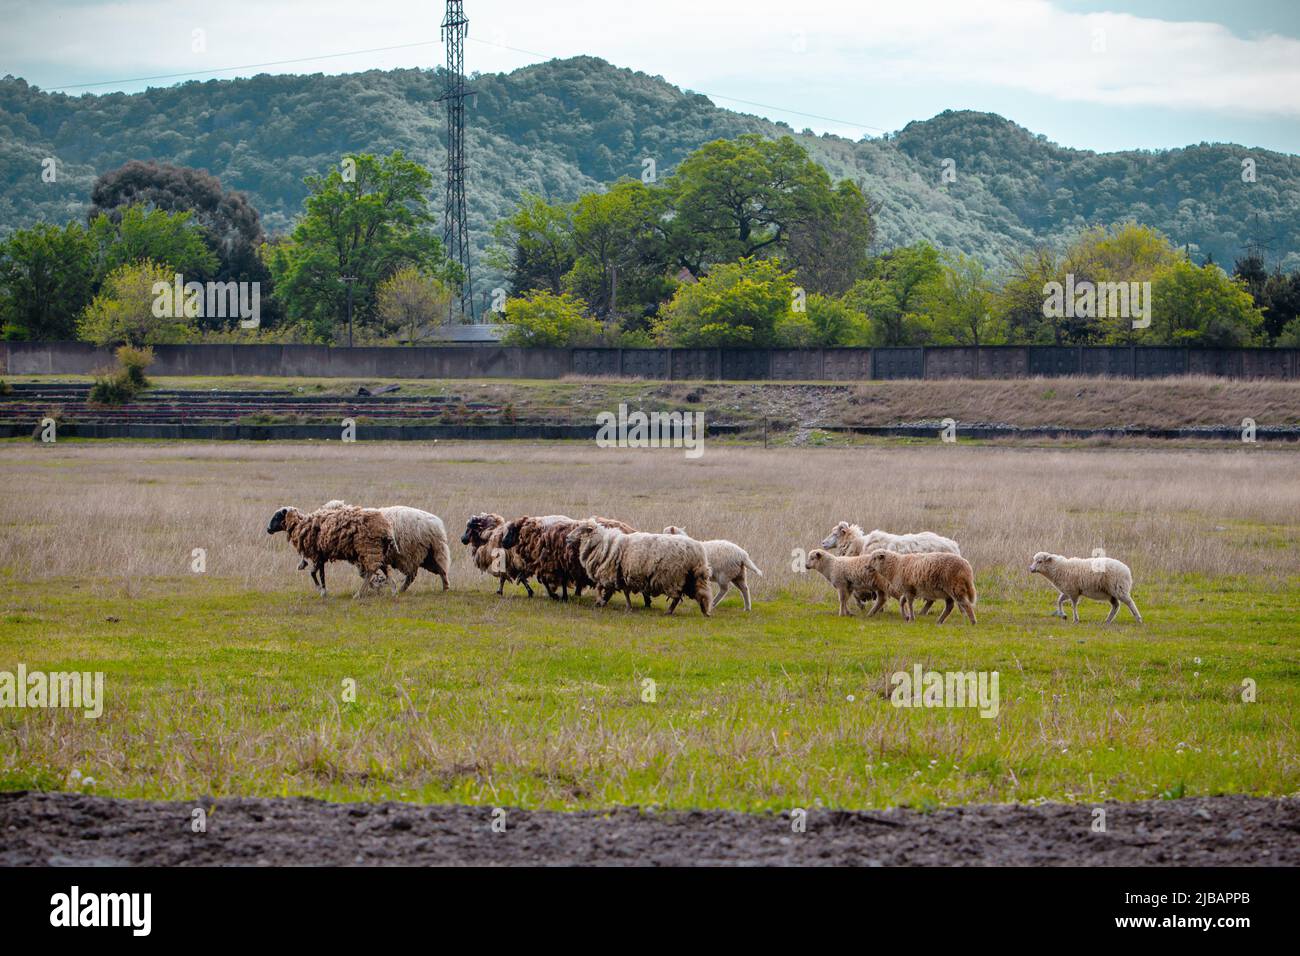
(1029, 46)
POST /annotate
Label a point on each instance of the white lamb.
(1099, 578)
(728, 561)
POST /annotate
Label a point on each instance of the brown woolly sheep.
(651, 564)
(360, 536)
(847, 575)
(420, 542)
(931, 577)
(541, 545)
(483, 533)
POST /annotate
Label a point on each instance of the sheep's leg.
(723, 588)
(320, 573)
(645, 596)
(1060, 600)
(925, 608)
(672, 606)
(501, 585)
(844, 602)
(909, 612)
(527, 587)
(1074, 604)
(881, 600)
(743, 585)
(969, 610)
(627, 596)
(704, 602)
(1128, 603)
(947, 609)
(405, 584)
(1114, 609)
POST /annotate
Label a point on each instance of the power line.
(246, 66)
(409, 46)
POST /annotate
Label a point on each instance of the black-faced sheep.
(361, 536)
(729, 562)
(931, 577)
(420, 541)
(650, 564)
(1099, 578)
(483, 533)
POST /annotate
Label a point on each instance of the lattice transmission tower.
(455, 228)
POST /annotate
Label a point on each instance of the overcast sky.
(1087, 73)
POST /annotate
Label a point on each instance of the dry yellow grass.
(118, 512)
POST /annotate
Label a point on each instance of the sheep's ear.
(842, 526)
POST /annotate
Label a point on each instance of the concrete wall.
(490, 361)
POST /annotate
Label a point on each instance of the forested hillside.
(564, 127)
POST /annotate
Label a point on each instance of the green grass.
(466, 697)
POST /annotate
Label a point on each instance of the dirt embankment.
(69, 829)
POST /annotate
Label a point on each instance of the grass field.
(231, 681)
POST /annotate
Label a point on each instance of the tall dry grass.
(121, 512)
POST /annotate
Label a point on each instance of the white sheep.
(1099, 578)
(649, 564)
(849, 540)
(728, 561)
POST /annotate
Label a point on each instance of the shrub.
(133, 362)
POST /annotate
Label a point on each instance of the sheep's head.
(833, 539)
(511, 537)
(816, 559)
(478, 528)
(1042, 561)
(278, 519)
(673, 529)
(878, 559)
(581, 531)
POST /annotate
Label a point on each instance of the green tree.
(737, 303)
(830, 248)
(741, 197)
(620, 252)
(408, 301)
(1202, 305)
(132, 308)
(534, 246)
(137, 234)
(541, 319)
(367, 220)
(961, 305)
(46, 280)
(894, 292)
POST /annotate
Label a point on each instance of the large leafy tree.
(46, 279)
(366, 221)
(742, 197)
(1202, 305)
(960, 304)
(137, 234)
(229, 223)
(830, 248)
(620, 253)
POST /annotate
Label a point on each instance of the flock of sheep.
(610, 556)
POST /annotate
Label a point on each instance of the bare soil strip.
(69, 829)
